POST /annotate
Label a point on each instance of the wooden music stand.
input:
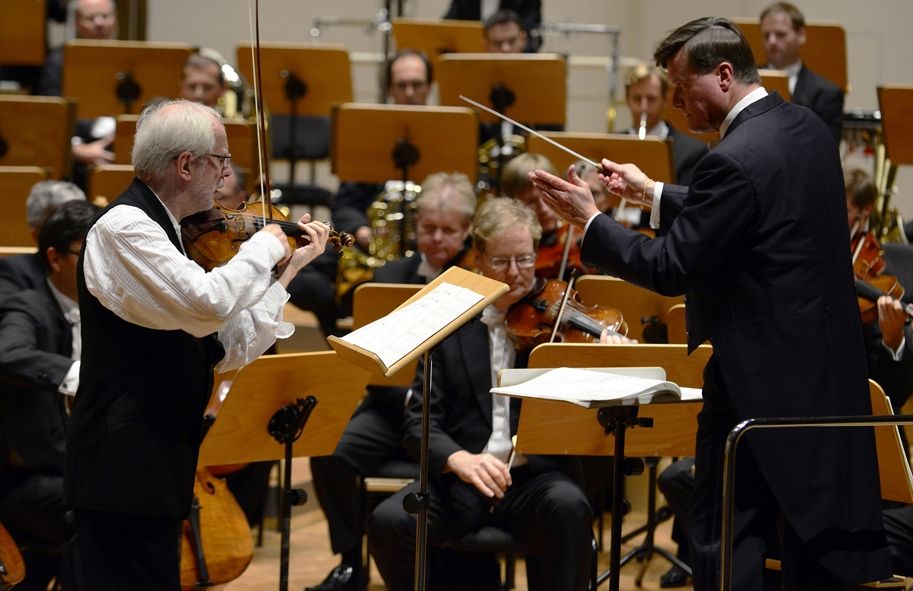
(36, 131)
(15, 184)
(114, 77)
(324, 69)
(427, 140)
(530, 88)
(23, 31)
(375, 300)
(893, 463)
(635, 303)
(551, 427)
(652, 155)
(242, 142)
(896, 104)
(108, 181)
(435, 37)
(824, 51)
(273, 402)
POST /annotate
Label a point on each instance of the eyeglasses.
(225, 158)
(503, 263)
(73, 252)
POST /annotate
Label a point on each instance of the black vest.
(135, 429)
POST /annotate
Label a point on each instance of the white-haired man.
(155, 325)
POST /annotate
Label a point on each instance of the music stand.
(119, 77)
(488, 290)
(896, 104)
(273, 402)
(375, 300)
(824, 51)
(36, 131)
(300, 79)
(15, 184)
(23, 31)
(435, 37)
(549, 427)
(644, 310)
(652, 155)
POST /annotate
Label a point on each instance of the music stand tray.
(444, 138)
(435, 37)
(651, 154)
(375, 300)
(94, 72)
(324, 69)
(538, 83)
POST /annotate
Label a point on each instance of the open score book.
(593, 388)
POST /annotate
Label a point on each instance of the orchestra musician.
(757, 243)
(154, 326)
(39, 365)
(472, 482)
(783, 33)
(202, 80)
(529, 15)
(374, 434)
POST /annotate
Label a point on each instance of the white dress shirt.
(503, 356)
(70, 311)
(135, 271)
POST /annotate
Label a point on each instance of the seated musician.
(889, 350)
(409, 78)
(39, 366)
(443, 222)
(473, 481)
(515, 183)
(202, 81)
(528, 14)
(26, 271)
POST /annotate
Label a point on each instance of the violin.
(871, 280)
(531, 321)
(213, 237)
(12, 567)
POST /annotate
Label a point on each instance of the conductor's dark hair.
(502, 17)
(429, 69)
(707, 42)
(65, 225)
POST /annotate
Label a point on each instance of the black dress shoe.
(674, 577)
(342, 578)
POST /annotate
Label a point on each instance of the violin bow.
(262, 156)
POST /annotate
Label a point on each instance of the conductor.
(758, 243)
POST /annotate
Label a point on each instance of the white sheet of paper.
(392, 337)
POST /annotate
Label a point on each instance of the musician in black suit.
(472, 480)
(373, 436)
(783, 32)
(39, 366)
(26, 271)
(529, 15)
(758, 242)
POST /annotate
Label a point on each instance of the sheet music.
(395, 335)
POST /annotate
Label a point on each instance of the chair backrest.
(36, 131)
(108, 181)
(15, 184)
(635, 303)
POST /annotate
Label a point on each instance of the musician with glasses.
(472, 481)
(154, 327)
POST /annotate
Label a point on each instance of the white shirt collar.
(426, 270)
(753, 96)
(174, 222)
(68, 305)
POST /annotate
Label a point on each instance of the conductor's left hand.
(571, 199)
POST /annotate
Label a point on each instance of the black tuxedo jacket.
(20, 272)
(529, 11)
(35, 348)
(759, 243)
(823, 97)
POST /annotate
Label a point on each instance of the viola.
(12, 567)
(871, 280)
(213, 237)
(531, 321)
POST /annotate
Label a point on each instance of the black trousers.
(547, 511)
(116, 552)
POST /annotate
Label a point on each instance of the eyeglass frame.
(225, 159)
(526, 261)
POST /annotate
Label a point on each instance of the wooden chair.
(108, 181)
(23, 30)
(15, 184)
(36, 131)
(643, 310)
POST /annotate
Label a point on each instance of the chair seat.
(489, 538)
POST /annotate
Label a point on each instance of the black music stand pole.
(405, 154)
(286, 427)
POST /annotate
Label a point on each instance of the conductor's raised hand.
(627, 181)
(571, 199)
(487, 473)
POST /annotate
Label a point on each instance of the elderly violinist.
(759, 244)
(154, 326)
(533, 497)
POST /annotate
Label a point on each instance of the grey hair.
(448, 192)
(168, 128)
(45, 196)
(498, 214)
